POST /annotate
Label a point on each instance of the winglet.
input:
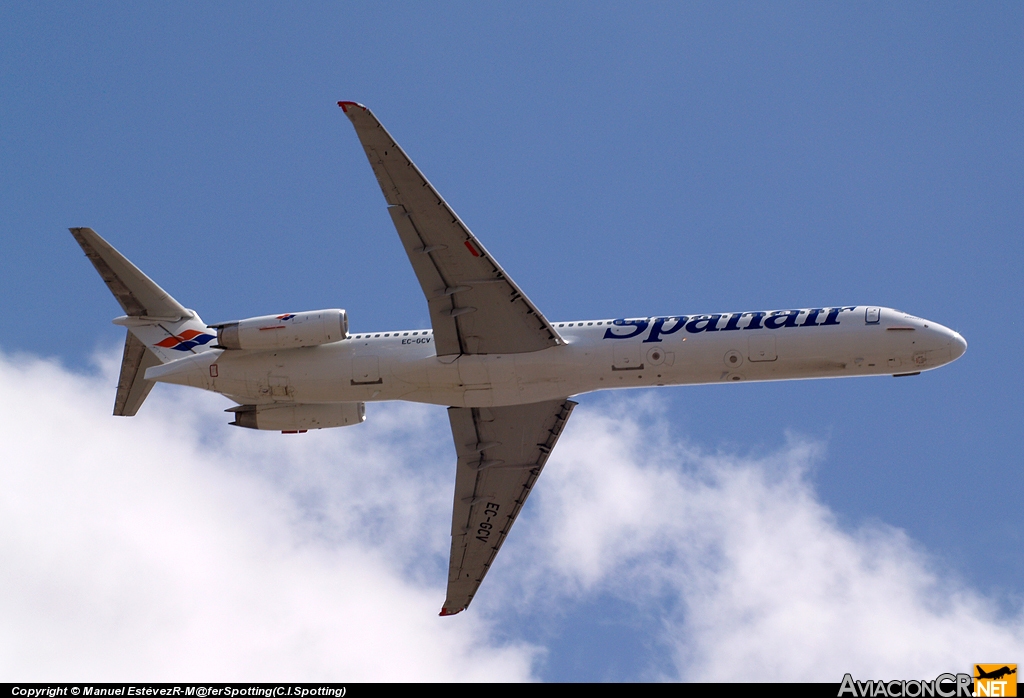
(345, 105)
(446, 612)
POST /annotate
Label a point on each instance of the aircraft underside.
(503, 370)
(393, 366)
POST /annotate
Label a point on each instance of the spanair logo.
(286, 316)
(695, 324)
(189, 339)
(995, 679)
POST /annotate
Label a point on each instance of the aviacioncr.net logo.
(942, 686)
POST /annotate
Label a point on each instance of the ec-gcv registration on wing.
(504, 371)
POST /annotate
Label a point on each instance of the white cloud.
(173, 547)
(158, 549)
(755, 577)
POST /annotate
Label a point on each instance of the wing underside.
(475, 308)
(137, 294)
(132, 387)
(501, 452)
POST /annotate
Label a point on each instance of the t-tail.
(160, 329)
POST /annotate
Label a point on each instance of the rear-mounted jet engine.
(288, 331)
(291, 418)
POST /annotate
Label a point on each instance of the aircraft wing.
(501, 451)
(475, 308)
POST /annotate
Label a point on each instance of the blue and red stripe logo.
(188, 339)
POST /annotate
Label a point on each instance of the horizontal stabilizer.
(137, 293)
(160, 329)
(132, 387)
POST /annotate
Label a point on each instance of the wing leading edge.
(501, 452)
(475, 308)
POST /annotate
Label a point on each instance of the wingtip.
(345, 105)
(82, 236)
(446, 612)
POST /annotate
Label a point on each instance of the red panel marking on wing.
(469, 246)
(345, 105)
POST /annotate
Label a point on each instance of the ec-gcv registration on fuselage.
(505, 372)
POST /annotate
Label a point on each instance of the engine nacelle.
(287, 331)
(299, 417)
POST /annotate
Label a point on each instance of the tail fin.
(160, 329)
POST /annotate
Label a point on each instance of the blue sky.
(618, 161)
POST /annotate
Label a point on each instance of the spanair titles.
(491, 356)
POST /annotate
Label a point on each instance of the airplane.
(995, 674)
(505, 373)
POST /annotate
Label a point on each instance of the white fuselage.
(597, 355)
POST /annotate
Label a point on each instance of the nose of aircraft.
(957, 346)
(937, 337)
(947, 337)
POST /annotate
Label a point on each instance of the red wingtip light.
(345, 105)
(446, 612)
